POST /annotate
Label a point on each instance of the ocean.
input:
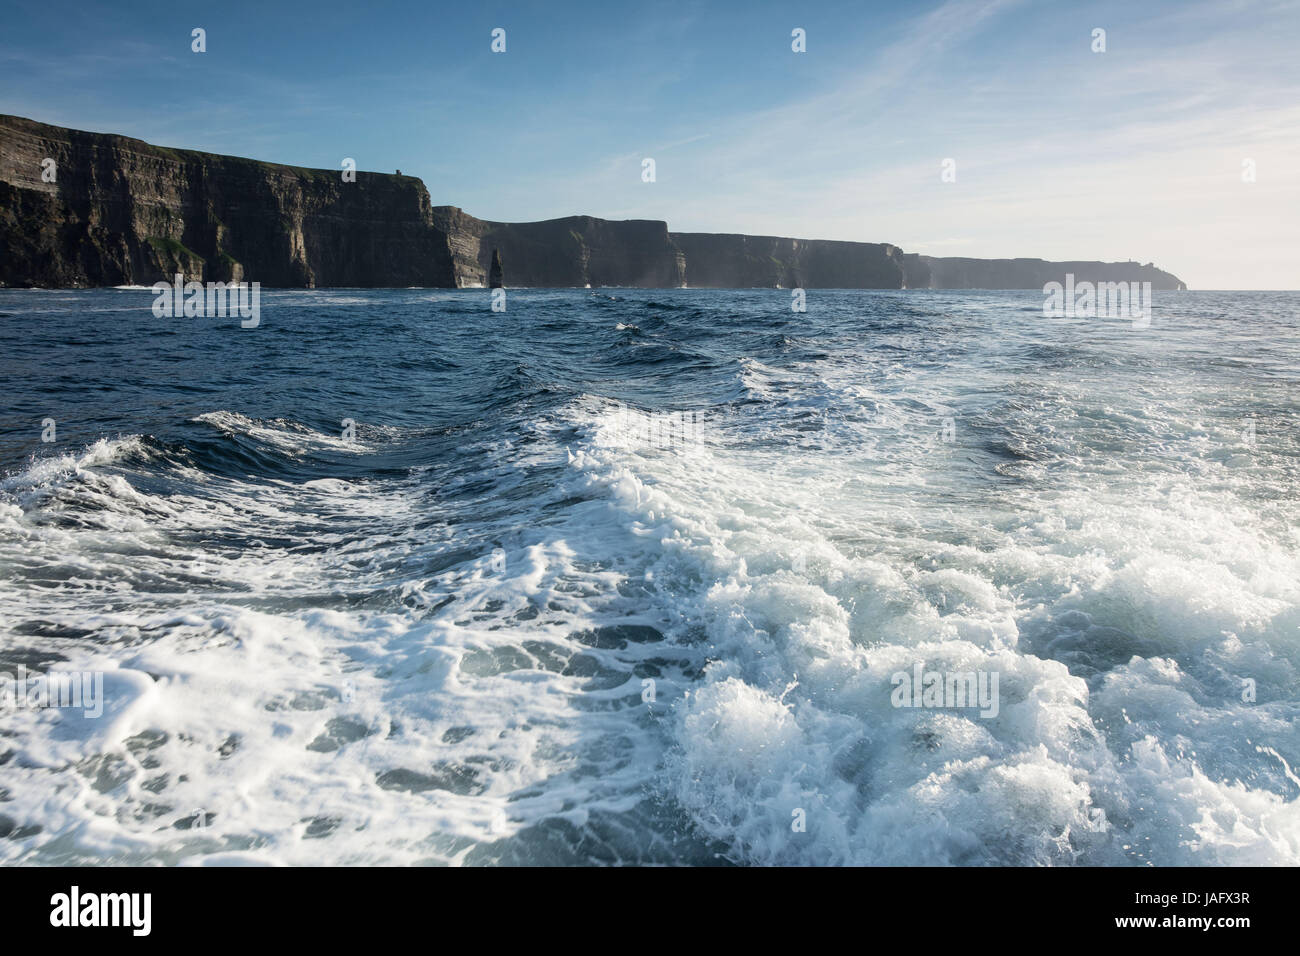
(630, 576)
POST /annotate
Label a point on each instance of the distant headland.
(80, 209)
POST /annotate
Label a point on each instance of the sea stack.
(495, 278)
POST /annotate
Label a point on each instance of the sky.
(1143, 151)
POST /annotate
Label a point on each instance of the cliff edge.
(95, 209)
(123, 212)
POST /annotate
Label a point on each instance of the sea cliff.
(84, 209)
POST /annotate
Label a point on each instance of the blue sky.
(1060, 152)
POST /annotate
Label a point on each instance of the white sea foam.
(1169, 595)
(387, 688)
(286, 436)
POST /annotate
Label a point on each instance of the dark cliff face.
(123, 212)
(496, 275)
(957, 273)
(575, 251)
(723, 261)
(916, 271)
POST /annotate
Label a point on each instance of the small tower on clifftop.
(496, 278)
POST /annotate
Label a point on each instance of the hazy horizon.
(1136, 153)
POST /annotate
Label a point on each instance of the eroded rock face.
(575, 251)
(729, 261)
(958, 273)
(123, 212)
